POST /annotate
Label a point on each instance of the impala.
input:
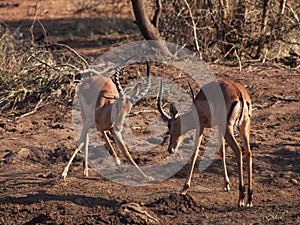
(104, 105)
(229, 109)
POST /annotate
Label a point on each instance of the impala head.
(124, 102)
(174, 123)
(174, 129)
(173, 120)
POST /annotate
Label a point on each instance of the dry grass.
(32, 75)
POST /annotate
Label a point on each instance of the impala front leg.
(118, 161)
(66, 169)
(86, 155)
(194, 158)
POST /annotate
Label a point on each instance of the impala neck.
(189, 120)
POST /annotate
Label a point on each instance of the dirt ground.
(34, 149)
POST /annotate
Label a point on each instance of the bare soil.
(34, 149)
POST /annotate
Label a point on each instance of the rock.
(23, 153)
(294, 181)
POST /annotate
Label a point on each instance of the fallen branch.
(41, 61)
(33, 111)
(286, 67)
(279, 98)
(71, 50)
(137, 208)
(143, 111)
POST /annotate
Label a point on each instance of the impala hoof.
(63, 176)
(118, 162)
(227, 187)
(249, 204)
(86, 172)
(241, 203)
(150, 178)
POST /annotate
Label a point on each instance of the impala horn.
(163, 114)
(116, 77)
(138, 97)
(192, 91)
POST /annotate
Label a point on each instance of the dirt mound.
(175, 203)
(134, 213)
(10, 156)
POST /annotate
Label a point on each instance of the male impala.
(222, 103)
(105, 105)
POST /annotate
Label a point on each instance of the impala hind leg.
(187, 183)
(223, 157)
(230, 139)
(245, 136)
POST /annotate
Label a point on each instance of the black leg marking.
(242, 191)
(250, 193)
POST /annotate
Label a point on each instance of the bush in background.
(223, 29)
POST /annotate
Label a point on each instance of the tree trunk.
(148, 30)
(263, 28)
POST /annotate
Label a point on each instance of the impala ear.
(173, 110)
(109, 95)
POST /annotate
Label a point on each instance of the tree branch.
(194, 28)
(157, 14)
